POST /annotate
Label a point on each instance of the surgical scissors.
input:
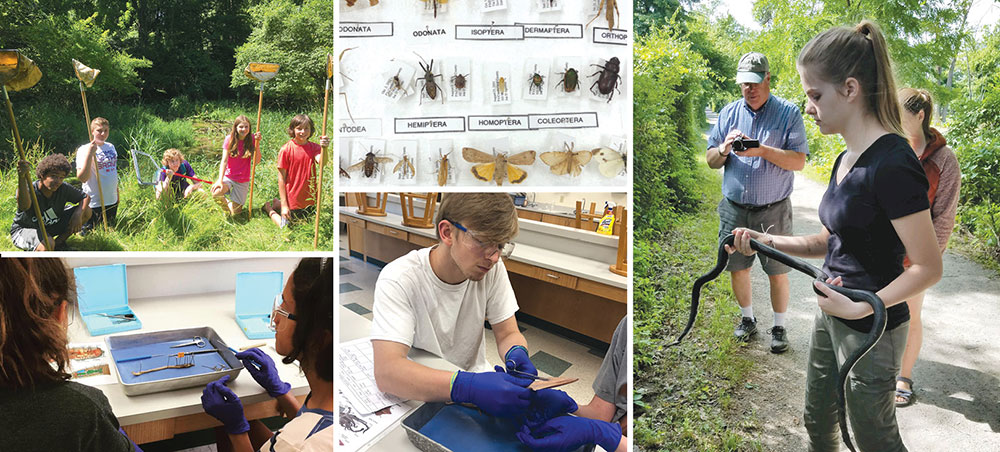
(517, 373)
(197, 341)
(122, 317)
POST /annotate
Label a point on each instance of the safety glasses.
(276, 311)
(487, 250)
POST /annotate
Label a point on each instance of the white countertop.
(589, 269)
(215, 310)
(354, 326)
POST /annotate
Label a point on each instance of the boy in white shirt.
(436, 299)
(107, 169)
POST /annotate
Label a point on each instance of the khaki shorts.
(237, 190)
(777, 217)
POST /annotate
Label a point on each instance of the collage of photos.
(499, 225)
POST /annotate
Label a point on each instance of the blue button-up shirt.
(754, 180)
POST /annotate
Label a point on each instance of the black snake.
(878, 323)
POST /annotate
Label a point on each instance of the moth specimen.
(567, 162)
(610, 163)
(369, 165)
(498, 166)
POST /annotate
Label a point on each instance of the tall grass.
(195, 224)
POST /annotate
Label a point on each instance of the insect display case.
(530, 72)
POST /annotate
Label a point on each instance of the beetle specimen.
(609, 13)
(611, 163)
(570, 80)
(430, 85)
(442, 169)
(370, 164)
(498, 166)
(406, 166)
(607, 82)
(535, 81)
(566, 162)
(434, 4)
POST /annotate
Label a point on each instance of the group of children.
(66, 210)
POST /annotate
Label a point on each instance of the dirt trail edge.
(957, 377)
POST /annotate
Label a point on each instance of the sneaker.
(746, 328)
(779, 343)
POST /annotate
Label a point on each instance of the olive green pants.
(871, 388)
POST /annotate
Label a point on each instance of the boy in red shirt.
(297, 161)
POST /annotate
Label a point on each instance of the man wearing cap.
(756, 183)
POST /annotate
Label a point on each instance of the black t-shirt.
(51, 208)
(886, 183)
(59, 416)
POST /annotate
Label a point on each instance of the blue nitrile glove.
(496, 393)
(261, 368)
(221, 403)
(517, 359)
(566, 433)
(547, 404)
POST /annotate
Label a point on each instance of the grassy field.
(683, 395)
(196, 224)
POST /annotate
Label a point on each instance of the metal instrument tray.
(159, 342)
(445, 427)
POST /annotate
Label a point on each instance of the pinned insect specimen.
(501, 85)
(566, 162)
(611, 163)
(535, 83)
(459, 80)
(370, 164)
(570, 80)
(430, 85)
(610, 11)
(406, 166)
(442, 169)
(498, 166)
(608, 79)
(435, 4)
(397, 83)
(344, 173)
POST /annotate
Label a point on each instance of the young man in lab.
(436, 299)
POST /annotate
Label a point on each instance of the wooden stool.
(585, 220)
(621, 262)
(409, 219)
(365, 208)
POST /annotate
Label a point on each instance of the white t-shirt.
(414, 307)
(310, 431)
(107, 163)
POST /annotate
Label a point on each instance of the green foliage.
(684, 393)
(195, 224)
(667, 116)
(296, 36)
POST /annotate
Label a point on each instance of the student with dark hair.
(302, 319)
(874, 212)
(297, 161)
(40, 409)
(234, 170)
(53, 195)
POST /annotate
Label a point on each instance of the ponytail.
(917, 100)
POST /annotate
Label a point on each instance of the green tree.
(298, 36)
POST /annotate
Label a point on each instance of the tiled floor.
(552, 354)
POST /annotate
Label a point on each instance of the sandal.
(907, 396)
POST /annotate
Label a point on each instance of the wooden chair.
(621, 223)
(366, 208)
(409, 219)
(585, 220)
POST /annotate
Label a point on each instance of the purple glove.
(547, 404)
(496, 393)
(134, 445)
(566, 433)
(517, 359)
(222, 403)
(261, 368)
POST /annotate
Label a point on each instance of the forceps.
(197, 341)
